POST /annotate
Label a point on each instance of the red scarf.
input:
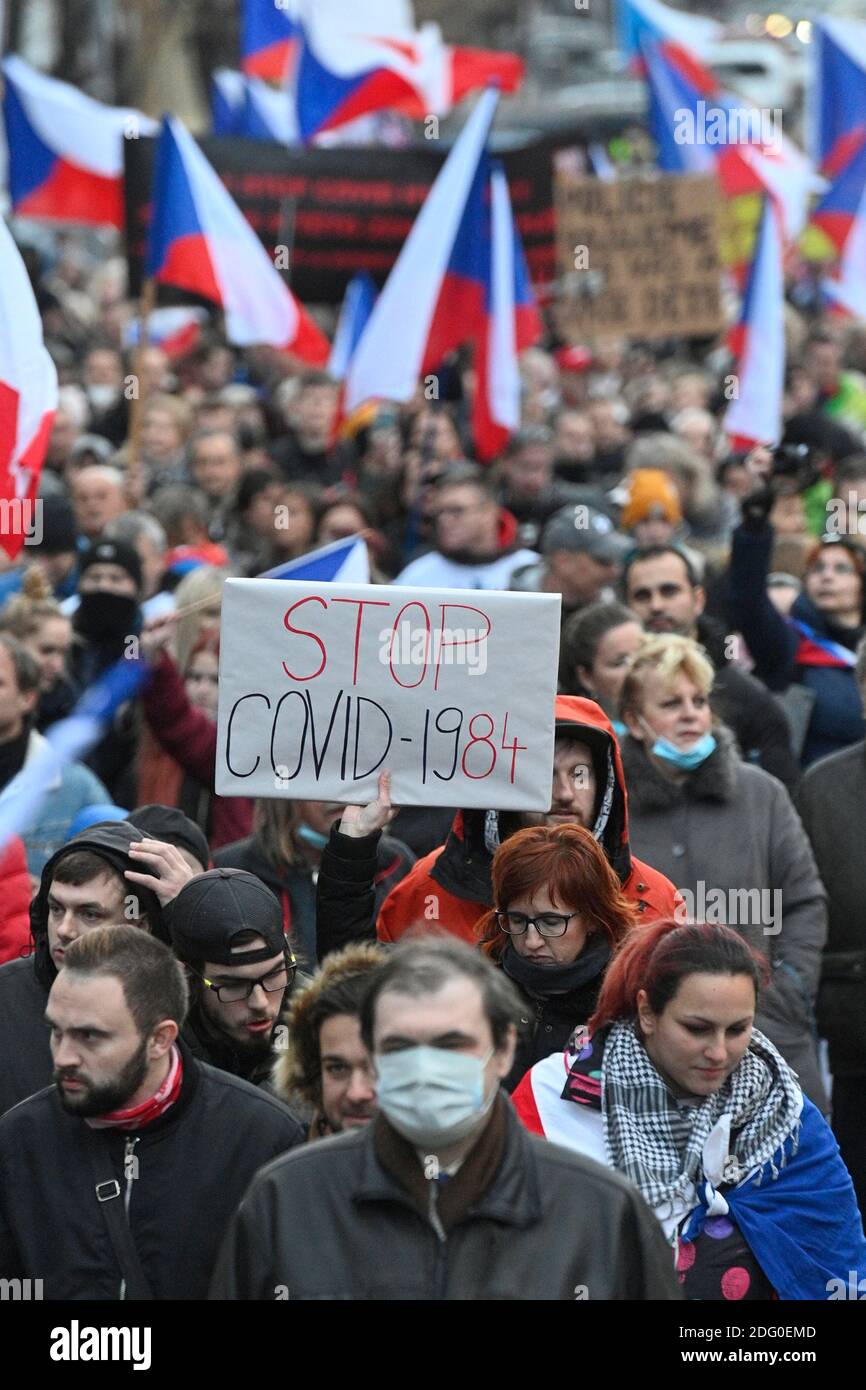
(137, 1116)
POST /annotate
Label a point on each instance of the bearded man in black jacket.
(119, 1180)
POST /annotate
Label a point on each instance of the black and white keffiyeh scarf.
(642, 1122)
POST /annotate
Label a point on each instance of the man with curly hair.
(326, 1066)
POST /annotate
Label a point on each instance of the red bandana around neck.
(137, 1116)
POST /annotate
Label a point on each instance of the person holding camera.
(812, 649)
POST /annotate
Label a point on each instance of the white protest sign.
(322, 685)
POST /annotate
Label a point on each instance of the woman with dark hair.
(559, 913)
(597, 645)
(672, 1085)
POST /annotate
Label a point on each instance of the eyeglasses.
(547, 924)
(236, 990)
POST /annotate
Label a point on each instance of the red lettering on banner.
(302, 632)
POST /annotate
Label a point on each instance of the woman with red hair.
(559, 913)
(672, 1085)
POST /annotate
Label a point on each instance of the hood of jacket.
(463, 867)
(111, 841)
(714, 780)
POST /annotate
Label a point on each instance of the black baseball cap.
(171, 825)
(216, 907)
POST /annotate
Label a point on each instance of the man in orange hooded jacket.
(450, 888)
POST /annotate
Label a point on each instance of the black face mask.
(107, 618)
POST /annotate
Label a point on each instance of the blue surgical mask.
(311, 836)
(686, 759)
(619, 728)
(433, 1096)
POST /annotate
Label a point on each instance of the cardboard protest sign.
(638, 256)
(324, 685)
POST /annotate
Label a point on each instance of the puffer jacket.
(374, 1227)
(730, 838)
(451, 886)
(25, 1056)
(14, 902)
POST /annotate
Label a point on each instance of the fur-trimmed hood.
(714, 780)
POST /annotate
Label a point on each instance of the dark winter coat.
(192, 1166)
(352, 1217)
(832, 803)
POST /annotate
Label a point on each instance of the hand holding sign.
(321, 684)
(358, 821)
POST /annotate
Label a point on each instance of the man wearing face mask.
(108, 615)
(443, 1196)
(726, 832)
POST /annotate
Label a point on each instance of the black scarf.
(558, 979)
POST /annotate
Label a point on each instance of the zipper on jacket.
(433, 1214)
(129, 1166)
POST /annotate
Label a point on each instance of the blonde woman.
(727, 834)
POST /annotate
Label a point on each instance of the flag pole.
(146, 305)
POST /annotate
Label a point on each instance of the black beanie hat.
(106, 552)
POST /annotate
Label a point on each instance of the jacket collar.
(714, 780)
(498, 1179)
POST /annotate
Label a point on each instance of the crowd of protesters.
(266, 1047)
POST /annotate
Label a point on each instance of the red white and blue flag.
(28, 396)
(433, 299)
(65, 149)
(355, 312)
(841, 204)
(649, 21)
(176, 329)
(201, 242)
(512, 324)
(758, 343)
(251, 108)
(837, 99)
(845, 224)
(270, 34)
(343, 74)
(700, 128)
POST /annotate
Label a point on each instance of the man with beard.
(661, 587)
(326, 1067)
(227, 928)
(118, 1181)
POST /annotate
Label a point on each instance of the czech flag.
(65, 149)
(28, 398)
(842, 215)
(758, 343)
(201, 242)
(342, 75)
(227, 92)
(698, 128)
(512, 324)
(435, 296)
(838, 96)
(175, 329)
(356, 309)
(649, 21)
(839, 206)
(346, 561)
(269, 38)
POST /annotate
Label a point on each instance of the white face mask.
(433, 1096)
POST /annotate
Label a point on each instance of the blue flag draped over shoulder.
(66, 742)
(799, 1216)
